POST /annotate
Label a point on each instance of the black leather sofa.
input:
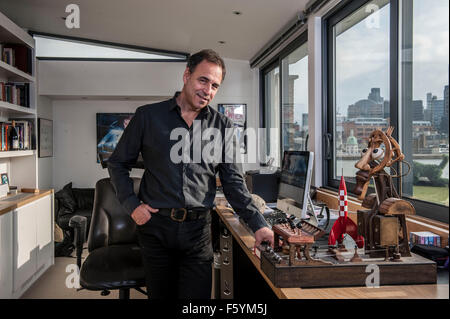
(70, 202)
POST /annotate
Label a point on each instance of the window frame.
(423, 208)
(181, 56)
(276, 61)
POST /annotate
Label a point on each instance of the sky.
(362, 54)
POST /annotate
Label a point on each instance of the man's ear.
(186, 75)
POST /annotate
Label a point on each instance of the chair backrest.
(110, 224)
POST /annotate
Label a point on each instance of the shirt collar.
(173, 104)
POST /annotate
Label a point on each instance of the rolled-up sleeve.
(122, 160)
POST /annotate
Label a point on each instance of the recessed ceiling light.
(221, 42)
(238, 13)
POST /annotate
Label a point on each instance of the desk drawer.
(226, 267)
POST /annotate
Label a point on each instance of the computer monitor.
(295, 182)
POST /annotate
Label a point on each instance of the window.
(286, 100)
(387, 65)
(272, 113)
(423, 82)
(295, 99)
(68, 48)
(359, 95)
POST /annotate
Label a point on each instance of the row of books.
(17, 55)
(24, 131)
(15, 93)
(424, 238)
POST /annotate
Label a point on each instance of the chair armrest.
(79, 224)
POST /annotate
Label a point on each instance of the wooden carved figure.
(383, 224)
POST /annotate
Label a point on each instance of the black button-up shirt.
(169, 184)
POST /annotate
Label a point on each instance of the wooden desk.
(246, 242)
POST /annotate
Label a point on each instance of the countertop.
(11, 202)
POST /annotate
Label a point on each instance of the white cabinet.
(26, 245)
(33, 250)
(6, 254)
(25, 248)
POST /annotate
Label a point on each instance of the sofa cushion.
(66, 198)
(84, 197)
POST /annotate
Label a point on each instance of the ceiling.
(174, 25)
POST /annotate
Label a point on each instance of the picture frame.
(4, 179)
(4, 185)
(110, 127)
(237, 112)
(45, 129)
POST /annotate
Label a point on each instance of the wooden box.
(411, 270)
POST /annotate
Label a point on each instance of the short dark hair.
(208, 55)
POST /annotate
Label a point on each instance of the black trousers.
(177, 257)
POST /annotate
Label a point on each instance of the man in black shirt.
(172, 210)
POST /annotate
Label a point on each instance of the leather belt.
(183, 214)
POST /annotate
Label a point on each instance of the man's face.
(202, 85)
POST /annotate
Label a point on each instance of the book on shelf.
(17, 55)
(24, 129)
(15, 93)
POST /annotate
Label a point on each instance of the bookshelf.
(20, 165)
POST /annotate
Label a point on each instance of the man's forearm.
(124, 186)
(239, 197)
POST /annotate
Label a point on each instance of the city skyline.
(360, 44)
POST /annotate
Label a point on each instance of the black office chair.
(114, 260)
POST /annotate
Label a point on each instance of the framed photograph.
(5, 180)
(45, 128)
(110, 127)
(238, 114)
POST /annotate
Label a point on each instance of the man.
(172, 210)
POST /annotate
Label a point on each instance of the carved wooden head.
(382, 151)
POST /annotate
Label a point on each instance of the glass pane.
(361, 83)
(59, 48)
(272, 115)
(295, 99)
(424, 44)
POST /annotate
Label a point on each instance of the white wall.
(45, 164)
(105, 84)
(75, 140)
(91, 78)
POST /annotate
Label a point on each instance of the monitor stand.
(310, 211)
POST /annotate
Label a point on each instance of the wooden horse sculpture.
(383, 225)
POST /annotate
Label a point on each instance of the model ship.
(379, 236)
